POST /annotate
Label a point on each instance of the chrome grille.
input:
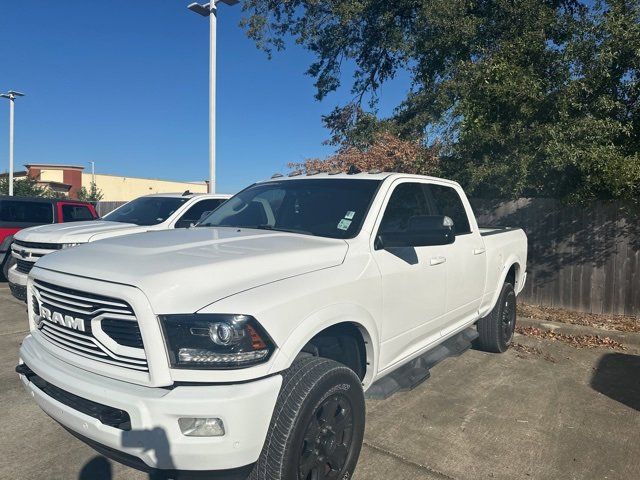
(38, 246)
(83, 310)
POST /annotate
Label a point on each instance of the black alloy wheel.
(508, 314)
(327, 440)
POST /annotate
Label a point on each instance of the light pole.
(210, 10)
(11, 95)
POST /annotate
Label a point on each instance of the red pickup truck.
(17, 213)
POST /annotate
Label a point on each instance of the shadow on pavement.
(617, 376)
(98, 468)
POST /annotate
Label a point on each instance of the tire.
(496, 329)
(317, 427)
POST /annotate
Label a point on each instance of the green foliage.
(522, 97)
(94, 194)
(24, 187)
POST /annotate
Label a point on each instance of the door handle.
(437, 260)
(479, 251)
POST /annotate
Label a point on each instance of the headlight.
(215, 341)
(69, 245)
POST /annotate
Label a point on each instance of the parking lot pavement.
(545, 412)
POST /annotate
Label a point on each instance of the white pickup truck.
(149, 213)
(244, 347)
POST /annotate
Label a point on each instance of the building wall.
(48, 175)
(73, 178)
(122, 189)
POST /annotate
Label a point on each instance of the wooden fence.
(105, 207)
(584, 258)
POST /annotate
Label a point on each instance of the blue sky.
(125, 84)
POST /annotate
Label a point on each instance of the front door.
(414, 279)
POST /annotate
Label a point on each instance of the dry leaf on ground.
(577, 341)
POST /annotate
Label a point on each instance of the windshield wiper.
(258, 227)
(272, 228)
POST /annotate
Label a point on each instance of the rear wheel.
(497, 328)
(318, 424)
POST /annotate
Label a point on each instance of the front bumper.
(18, 284)
(155, 437)
(17, 278)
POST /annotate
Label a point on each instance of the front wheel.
(317, 427)
(496, 329)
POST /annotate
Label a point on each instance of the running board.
(415, 372)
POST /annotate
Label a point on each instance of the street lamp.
(210, 10)
(11, 95)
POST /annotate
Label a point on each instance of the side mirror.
(422, 231)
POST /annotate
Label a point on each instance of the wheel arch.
(512, 269)
(351, 317)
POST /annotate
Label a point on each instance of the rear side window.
(15, 211)
(76, 213)
(447, 202)
(195, 213)
(407, 201)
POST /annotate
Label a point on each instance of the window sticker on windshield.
(349, 215)
(344, 224)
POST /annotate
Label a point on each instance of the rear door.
(466, 257)
(18, 214)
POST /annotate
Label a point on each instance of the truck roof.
(356, 176)
(189, 195)
(53, 201)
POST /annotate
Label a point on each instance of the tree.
(94, 194)
(24, 187)
(387, 152)
(522, 97)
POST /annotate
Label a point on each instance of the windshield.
(146, 210)
(332, 208)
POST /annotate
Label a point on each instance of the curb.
(627, 338)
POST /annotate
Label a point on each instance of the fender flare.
(512, 260)
(5, 246)
(322, 319)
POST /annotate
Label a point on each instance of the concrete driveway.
(546, 412)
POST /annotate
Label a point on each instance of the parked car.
(151, 212)
(245, 346)
(17, 213)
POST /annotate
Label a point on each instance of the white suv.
(149, 213)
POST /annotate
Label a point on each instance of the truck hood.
(182, 271)
(77, 232)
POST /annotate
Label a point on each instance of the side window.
(195, 213)
(76, 213)
(407, 201)
(447, 202)
(15, 211)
